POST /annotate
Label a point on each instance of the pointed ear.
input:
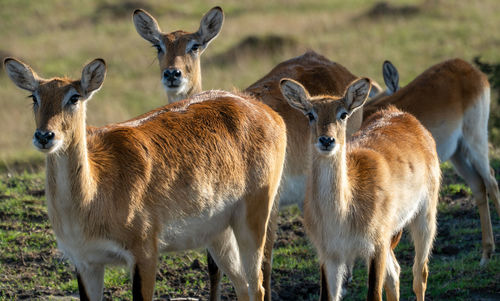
(210, 25)
(21, 74)
(391, 77)
(357, 93)
(146, 26)
(296, 95)
(93, 75)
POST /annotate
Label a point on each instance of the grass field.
(58, 37)
(31, 267)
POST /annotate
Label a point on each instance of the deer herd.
(211, 169)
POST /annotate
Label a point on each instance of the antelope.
(321, 76)
(452, 100)
(183, 176)
(179, 51)
(179, 55)
(361, 193)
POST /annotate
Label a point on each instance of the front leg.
(215, 276)
(144, 277)
(332, 276)
(90, 279)
(376, 273)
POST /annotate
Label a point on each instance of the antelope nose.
(326, 141)
(172, 74)
(44, 137)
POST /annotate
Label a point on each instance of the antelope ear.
(357, 93)
(391, 77)
(93, 75)
(146, 26)
(210, 25)
(296, 95)
(21, 74)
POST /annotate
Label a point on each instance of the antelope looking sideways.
(362, 193)
(182, 176)
(179, 51)
(452, 100)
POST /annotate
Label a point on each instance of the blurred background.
(58, 37)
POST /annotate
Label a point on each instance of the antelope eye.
(33, 97)
(343, 116)
(158, 48)
(195, 47)
(310, 116)
(74, 99)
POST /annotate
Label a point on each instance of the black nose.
(44, 137)
(172, 74)
(326, 141)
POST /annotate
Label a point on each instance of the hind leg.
(475, 182)
(250, 227)
(423, 231)
(225, 254)
(267, 261)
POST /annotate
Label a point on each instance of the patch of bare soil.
(385, 9)
(252, 47)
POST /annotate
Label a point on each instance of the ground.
(32, 268)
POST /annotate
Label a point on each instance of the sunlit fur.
(362, 195)
(452, 100)
(182, 176)
(320, 76)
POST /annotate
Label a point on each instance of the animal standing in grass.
(452, 100)
(182, 176)
(363, 192)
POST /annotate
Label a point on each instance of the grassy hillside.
(57, 37)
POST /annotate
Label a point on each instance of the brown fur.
(452, 100)
(128, 181)
(362, 192)
(321, 77)
(174, 53)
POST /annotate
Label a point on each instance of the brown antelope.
(361, 193)
(179, 51)
(452, 100)
(182, 176)
(320, 76)
(179, 55)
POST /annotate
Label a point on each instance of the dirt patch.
(385, 9)
(120, 9)
(253, 47)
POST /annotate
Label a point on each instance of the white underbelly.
(194, 232)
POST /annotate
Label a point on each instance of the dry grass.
(58, 37)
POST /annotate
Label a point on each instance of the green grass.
(31, 266)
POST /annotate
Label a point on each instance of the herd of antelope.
(210, 169)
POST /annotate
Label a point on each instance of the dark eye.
(343, 116)
(158, 48)
(74, 99)
(195, 47)
(310, 116)
(33, 97)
